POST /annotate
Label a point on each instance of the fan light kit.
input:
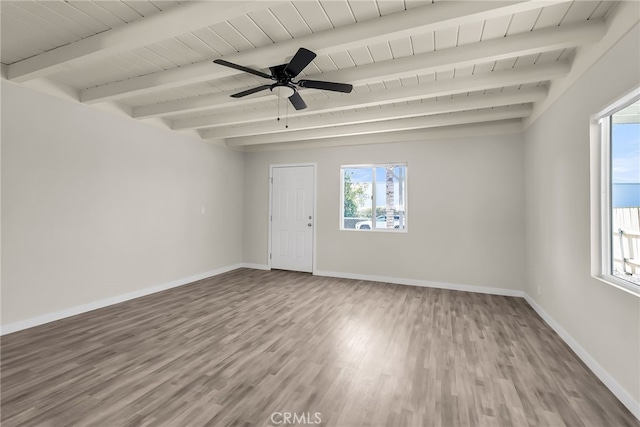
(284, 86)
(283, 91)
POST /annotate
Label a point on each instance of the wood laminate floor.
(237, 348)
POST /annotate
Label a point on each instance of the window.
(618, 134)
(374, 197)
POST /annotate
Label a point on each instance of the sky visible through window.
(625, 167)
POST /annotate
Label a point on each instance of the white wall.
(95, 205)
(604, 320)
(465, 211)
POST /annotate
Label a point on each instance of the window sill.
(376, 230)
(620, 284)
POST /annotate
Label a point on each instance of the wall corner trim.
(623, 395)
(79, 309)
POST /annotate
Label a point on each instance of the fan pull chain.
(286, 118)
(278, 108)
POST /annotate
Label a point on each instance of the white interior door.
(292, 221)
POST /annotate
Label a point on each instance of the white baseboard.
(623, 395)
(255, 266)
(423, 283)
(50, 317)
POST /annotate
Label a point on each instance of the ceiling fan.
(283, 75)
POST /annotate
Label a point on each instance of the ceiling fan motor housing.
(283, 88)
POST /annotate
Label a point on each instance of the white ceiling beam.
(427, 108)
(451, 119)
(198, 103)
(540, 41)
(491, 80)
(402, 24)
(501, 127)
(170, 23)
(443, 60)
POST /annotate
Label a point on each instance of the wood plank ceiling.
(414, 64)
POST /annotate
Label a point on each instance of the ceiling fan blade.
(297, 101)
(250, 91)
(300, 60)
(241, 68)
(317, 84)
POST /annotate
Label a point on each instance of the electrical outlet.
(203, 210)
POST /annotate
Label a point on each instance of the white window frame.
(601, 229)
(373, 197)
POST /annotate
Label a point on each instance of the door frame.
(314, 165)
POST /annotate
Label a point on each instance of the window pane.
(390, 197)
(374, 197)
(625, 193)
(357, 187)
